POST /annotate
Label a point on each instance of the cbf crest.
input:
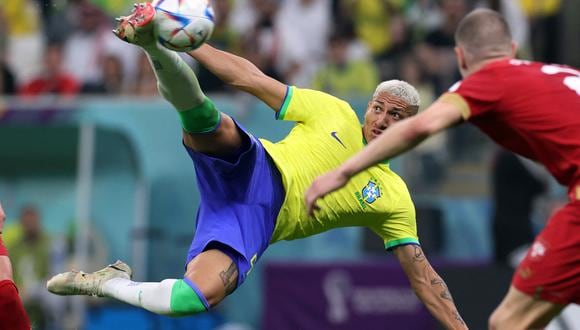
(369, 193)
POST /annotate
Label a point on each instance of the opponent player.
(12, 313)
(530, 108)
(252, 190)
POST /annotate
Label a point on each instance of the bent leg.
(215, 273)
(178, 84)
(429, 286)
(520, 311)
(206, 129)
(209, 278)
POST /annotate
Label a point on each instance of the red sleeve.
(482, 91)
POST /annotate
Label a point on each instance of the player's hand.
(322, 186)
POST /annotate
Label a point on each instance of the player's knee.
(187, 299)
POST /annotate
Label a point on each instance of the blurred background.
(92, 168)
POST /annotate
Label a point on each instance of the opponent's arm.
(429, 286)
(242, 74)
(401, 137)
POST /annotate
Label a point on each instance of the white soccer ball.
(183, 25)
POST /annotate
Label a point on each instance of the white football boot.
(88, 284)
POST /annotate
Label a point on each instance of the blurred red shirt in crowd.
(53, 80)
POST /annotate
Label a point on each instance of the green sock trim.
(203, 118)
(184, 300)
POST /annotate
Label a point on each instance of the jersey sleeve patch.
(459, 102)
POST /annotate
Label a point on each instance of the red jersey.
(530, 108)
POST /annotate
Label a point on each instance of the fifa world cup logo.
(337, 288)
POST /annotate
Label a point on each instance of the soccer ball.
(183, 25)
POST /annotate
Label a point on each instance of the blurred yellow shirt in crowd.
(534, 8)
(22, 16)
(354, 79)
(372, 20)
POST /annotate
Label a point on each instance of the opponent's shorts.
(551, 269)
(240, 201)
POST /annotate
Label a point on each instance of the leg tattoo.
(229, 279)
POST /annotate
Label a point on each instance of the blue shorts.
(241, 197)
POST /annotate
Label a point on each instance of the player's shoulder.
(322, 102)
(316, 96)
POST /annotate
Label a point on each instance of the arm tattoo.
(229, 279)
(437, 281)
(458, 318)
(418, 255)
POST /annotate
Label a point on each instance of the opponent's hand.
(322, 186)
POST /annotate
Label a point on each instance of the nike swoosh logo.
(333, 134)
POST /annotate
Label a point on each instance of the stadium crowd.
(344, 47)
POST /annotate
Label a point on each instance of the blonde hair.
(400, 89)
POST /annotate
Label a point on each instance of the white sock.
(153, 296)
(176, 81)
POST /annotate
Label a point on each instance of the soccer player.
(530, 108)
(12, 313)
(252, 190)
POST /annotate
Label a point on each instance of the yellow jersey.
(326, 134)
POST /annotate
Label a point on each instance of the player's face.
(384, 110)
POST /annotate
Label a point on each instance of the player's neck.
(480, 64)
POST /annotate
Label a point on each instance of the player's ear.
(460, 54)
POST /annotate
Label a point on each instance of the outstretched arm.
(241, 74)
(395, 140)
(429, 286)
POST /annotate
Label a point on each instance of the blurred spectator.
(436, 54)
(7, 83)
(436, 51)
(545, 29)
(519, 25)
(54, 79)
(389, 62)
(516, 184)
(113, 82)
(425, 166)
(24, 39)
(84, 50)
(423, 16)
(145, 83)
(303, 27)
(342, 75)
(223, 37)
(260, 43)
(31, 256)
(372, 22)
